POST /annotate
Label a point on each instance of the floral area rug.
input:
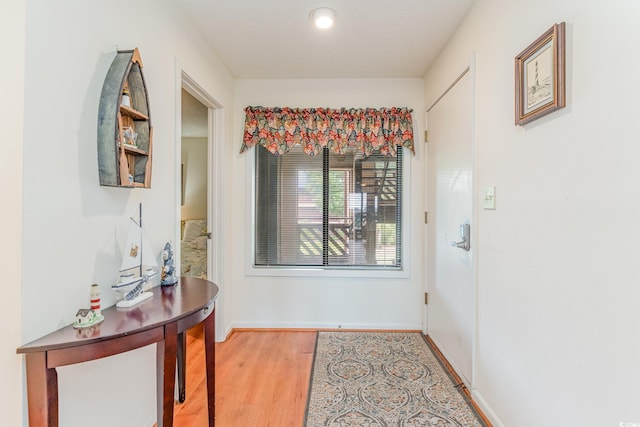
(382, 379)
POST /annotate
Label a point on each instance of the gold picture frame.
(540, 76)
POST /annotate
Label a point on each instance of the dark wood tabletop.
(162, 319)
(169, 303)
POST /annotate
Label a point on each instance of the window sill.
(328, 272)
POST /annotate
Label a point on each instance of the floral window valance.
(341, 130)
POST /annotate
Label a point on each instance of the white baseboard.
(325, 325)
(227, 331)
(486, 409)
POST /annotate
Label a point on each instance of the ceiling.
(371, 38)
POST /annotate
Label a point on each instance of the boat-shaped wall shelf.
(125, 135)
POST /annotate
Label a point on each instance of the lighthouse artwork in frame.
(540, 76)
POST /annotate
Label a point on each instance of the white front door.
(450, 280)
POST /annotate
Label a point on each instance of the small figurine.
(84, 317)
(95, 299)
(87, 317)
(168, 276)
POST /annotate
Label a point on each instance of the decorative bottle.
(125, 97)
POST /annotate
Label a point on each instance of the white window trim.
(326, 272)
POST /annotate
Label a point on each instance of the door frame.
(215, 133)
(468, 67)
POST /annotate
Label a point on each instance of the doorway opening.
(199, 136)
(194, 212)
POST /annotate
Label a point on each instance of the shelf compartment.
(134, 114)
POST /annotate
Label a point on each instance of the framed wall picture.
(540, 76)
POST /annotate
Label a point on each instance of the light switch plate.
(489, 198)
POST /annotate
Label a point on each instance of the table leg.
(166, 352)
(182, 367)
(42, 391)
(210, 356)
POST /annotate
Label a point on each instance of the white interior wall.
(558, 290)
(557, 295)
(12, 21)
(314, 299)
(194, 160)
(73, 228)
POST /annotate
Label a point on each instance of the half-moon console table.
(161, 319)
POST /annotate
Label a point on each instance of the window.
(329, 211)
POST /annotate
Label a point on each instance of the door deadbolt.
(465, 235)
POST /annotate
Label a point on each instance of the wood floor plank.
(262, 379)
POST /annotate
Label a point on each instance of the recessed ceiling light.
(323, 17)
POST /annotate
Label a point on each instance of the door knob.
(465, 235)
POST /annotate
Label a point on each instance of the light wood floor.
(261, 379)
